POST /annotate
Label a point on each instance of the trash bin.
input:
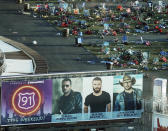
(65, 32)
(109, 65)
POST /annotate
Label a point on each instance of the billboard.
(24, 102)
(159, 122)
(71, 98)
(127, 96)
(97, 98)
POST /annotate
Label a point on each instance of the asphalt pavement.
(58, 51)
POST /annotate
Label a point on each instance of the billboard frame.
(65, 74)
(68, 74)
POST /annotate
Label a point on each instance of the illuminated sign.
(26, 100)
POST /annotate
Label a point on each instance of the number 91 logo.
(26, 100)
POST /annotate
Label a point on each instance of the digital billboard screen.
(71, 99)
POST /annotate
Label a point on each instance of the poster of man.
(97, 94)
(67, 98)
(127, 93)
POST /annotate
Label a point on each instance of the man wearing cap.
(98, 101)
(71, 101)
(130, 98)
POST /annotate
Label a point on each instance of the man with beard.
(71, 101)
(130, 98)
(98, 101)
